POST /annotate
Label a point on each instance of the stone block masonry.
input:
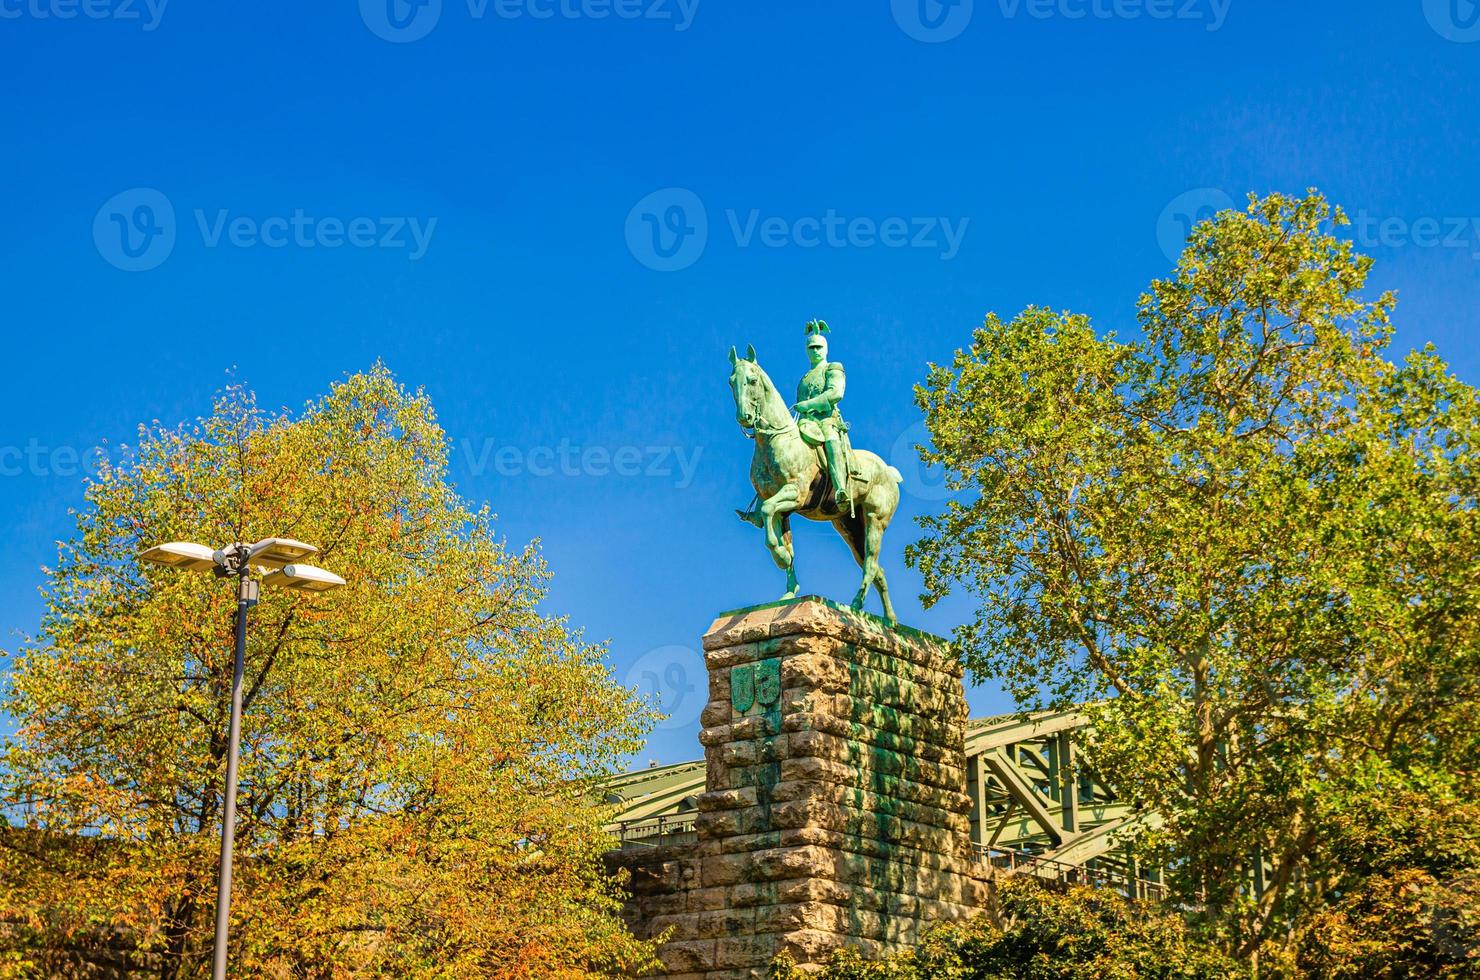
(835, 811)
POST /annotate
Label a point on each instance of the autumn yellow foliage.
(418, 747)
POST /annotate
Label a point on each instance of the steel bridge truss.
(1034, 808)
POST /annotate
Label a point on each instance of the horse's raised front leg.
(775, 511)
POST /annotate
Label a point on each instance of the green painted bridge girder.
(1027, 794)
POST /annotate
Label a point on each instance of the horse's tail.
(894, 474)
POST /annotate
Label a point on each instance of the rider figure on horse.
(794, 459)
(821, 424)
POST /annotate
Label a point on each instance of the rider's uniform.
(818, 395)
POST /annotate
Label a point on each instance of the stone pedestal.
(835, 812)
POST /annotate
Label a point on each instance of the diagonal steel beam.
(1005, 731)
(1020, 786)
(1006, 819)
(650, 793)
(1103, 839)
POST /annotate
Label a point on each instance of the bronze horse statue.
(790, 477)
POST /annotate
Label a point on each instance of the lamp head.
(182, 554)
(278, 552)
(302, 578)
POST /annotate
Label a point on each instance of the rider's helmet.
(816, 334)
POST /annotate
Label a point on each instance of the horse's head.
(750, 387)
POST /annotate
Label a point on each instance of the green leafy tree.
(1039, 933)
(1403, 925)
(418, 747)
(1250, 540)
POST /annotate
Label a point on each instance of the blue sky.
(557, 215)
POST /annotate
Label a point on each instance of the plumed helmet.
(816, 333)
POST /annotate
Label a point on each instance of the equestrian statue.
(804, 464)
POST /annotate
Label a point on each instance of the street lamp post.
(278, 562)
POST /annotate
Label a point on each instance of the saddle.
(812, 435)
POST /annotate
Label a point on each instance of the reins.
(769, 432)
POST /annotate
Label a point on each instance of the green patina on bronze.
(755, 684)
(768, 773)
(804, 464)
(768, 682)
(742, 688)
(755, 692)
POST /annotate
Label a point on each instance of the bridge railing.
(656, 831)
(1025, 862)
